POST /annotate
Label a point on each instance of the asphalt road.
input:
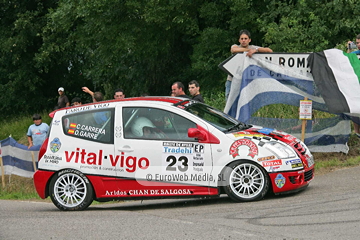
(328, 209)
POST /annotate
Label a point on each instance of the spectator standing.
(37, 132)
(244, 40)
(63, 100)
(194, 89)
(99, 117)
(349, 50)
(177, 90)
(119, 94)
(352, 46)
(98, 97)
(76, 101)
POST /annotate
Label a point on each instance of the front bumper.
(283, 182)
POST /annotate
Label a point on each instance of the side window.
(153, 123)
(95, 126)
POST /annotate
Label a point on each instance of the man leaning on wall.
(244, 40)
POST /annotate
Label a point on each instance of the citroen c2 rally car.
(158, 147)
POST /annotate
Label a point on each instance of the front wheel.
(71, 190)
(245, 181)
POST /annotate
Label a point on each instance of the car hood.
(262, 132)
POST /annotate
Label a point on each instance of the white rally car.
(158, 147)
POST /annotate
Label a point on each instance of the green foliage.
(337, 163)
(18, 188)
(306, 25)
(287, 111)
(215, 99)
(17, 127)
(146, 45)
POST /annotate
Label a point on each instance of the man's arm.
(87, 90)
(30, 141)
(238, 49)
(259, 49)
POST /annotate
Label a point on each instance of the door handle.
(125, 148)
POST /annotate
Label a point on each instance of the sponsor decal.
(266, 158)
(94, 160)
(52, 159)
(149, 192)
(273, 169)
(78, 109)
(272, 163)
(55, 145)
(102, 105)
(179, 156)
(56, 122)
(295, 163)
(266, 131)
(85, 108)
(178, 150)
(234, 148)
(246, 134)
(280, 180)
(85, 131)
(290, 138)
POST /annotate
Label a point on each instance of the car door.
(84, 140)
(166, 162)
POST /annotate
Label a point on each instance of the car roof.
(164, 99)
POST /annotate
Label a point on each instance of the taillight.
(43, 148)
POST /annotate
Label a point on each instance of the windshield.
(218, 119)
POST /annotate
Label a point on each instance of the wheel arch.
(222, 183)
(55, 174)
(238, 160)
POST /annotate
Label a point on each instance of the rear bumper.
(41, 179)
(284, 182)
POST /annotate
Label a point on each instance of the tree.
(146, 45)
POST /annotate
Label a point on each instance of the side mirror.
(202, 135)
(196, 133)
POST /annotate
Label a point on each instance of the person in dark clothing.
(177, 89)
(194, 89)
(76, 101)
(63, 100)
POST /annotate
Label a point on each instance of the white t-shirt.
(229, 78)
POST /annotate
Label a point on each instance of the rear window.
(95, 126)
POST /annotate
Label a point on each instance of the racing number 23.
(172, 161)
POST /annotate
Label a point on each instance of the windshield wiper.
(238, 126)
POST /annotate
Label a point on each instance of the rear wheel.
(245, 181)
(71, 190)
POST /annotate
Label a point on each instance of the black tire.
(70, 190)
(246, 181)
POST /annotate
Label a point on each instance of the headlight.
(280, 150)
